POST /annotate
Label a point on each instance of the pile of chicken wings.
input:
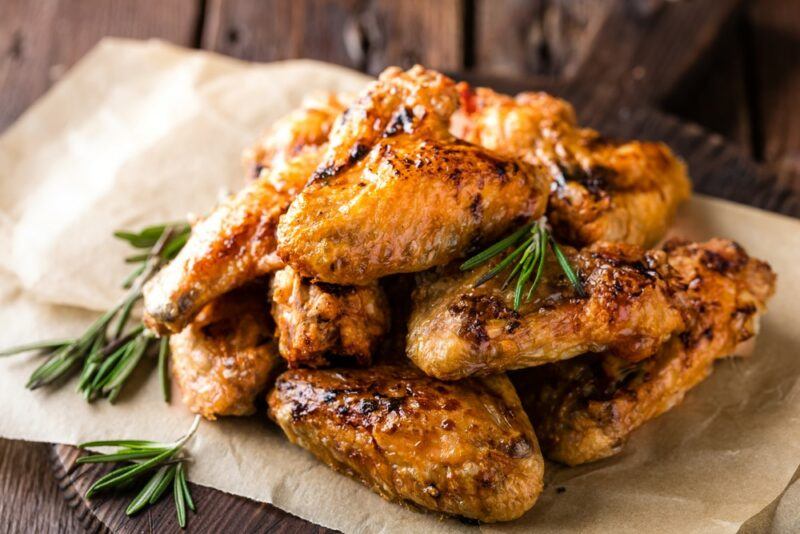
(331, 281)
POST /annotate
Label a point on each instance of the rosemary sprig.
(164, 460)
(528, 257)
(111, 348)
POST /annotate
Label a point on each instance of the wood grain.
(776, 58)
(363, 35)
(30, 500)
(41, 39)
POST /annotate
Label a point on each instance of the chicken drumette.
(319, 323)
(224, 359)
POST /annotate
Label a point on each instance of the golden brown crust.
(465, 448)
(602, 190)
(584, 409)
(397, 193)
(237, 242)
(296, 137)
(457, 330)
(224, 359)
(321, 323)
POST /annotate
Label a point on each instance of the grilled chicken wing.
(584, 409)
(294, 138)
(465, 449)
(604, 190)
(237, 242)
(396, 192)
(320, 323)
(223, 360)
(457, 330)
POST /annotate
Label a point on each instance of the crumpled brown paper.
(146, 132)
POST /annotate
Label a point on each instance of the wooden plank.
(40, 40)
(31, 500)
(541, 37)
(776, 40)
(367, 36)
(645, 47)
(714, 92)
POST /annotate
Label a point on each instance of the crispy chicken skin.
(237, 242)
(319, 323)
(396, 192)
(224, 359)
(234, 245)
(456, 330)
(465, 449)
(297, 136)
(603, 190)
(584, 409)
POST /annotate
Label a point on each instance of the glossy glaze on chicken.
(464, 449)
(602, 190)
(585, 408)
(397, 193)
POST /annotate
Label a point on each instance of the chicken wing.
(457, 330)
(296, 137)
(224, 359)
(237, 242)
(320, 323)
(396, 192)
(584, 409)
(465, 449)
(603, 190)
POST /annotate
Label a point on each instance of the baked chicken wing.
(223, 360)
(584, 409)
(396, 192)
(465, 448)
(237, 242)
(320, 324)
(603, 190)
(457, 330)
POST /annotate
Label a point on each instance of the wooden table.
(729, 65)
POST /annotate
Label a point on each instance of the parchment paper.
(146, 132)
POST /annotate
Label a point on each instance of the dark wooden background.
(731, 66)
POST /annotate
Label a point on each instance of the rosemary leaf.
(163, 371)
(115, 474)
(567, 268)
(143, 498)
(128, 443)
(180, 502)
(127, 364)
(528, 264)
(540, 268)
(165, 481)
(53, 344)
(500, 267)
(495, 249)
(181, 475)
(136, 454)
(137, 470)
